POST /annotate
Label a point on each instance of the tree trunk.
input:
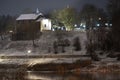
(33, 39)
(1, 37)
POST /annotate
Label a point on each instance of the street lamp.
(99, 18)
(29, 51)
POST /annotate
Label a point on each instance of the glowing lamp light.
(110, 24)
(84, 26)
(29, 51)
(53, 29)
(106, 24)
(98, 24)
(75, 25)
(99, 18)
(11, 31)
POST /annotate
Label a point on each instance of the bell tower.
(37, 11)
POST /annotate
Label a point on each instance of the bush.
(118, 57)
(77, 44)
(55, 47)
(67, 42)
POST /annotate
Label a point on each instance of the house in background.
(29, 24)
(26, 22)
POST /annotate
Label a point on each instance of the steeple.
(37, 11)
(68, 6)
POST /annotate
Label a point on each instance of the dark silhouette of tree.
(77, 44)
(55, 47)
(116, 30)
(10, 23)
(6, 24)
(33, 32)
(113, 8)
(2, 25)
(91, 15)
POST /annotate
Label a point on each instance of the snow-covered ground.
(8, 47)
(33, 61)
(25, 48)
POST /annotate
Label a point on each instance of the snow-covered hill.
(44, 43)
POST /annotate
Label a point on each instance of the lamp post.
(28, 52)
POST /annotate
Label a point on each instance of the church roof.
(29, 16)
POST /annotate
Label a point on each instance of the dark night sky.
(13, 7)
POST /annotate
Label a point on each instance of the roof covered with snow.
(29, 16)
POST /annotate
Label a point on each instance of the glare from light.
(84, 26)
(75, 25)
(29, 51)
(110, 24)
(53, 29)
(106, 24)
(98, 25)
(99, 18)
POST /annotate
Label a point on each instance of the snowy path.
(41, 59)
(41, 56)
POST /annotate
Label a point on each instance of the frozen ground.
(33, 61)
(8, 47)
(25, 48)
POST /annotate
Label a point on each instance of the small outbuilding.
(30, 24)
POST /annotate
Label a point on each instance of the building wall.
(27, 26)
(45, 24)
(26, 29)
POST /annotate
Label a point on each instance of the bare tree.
(114, 10)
